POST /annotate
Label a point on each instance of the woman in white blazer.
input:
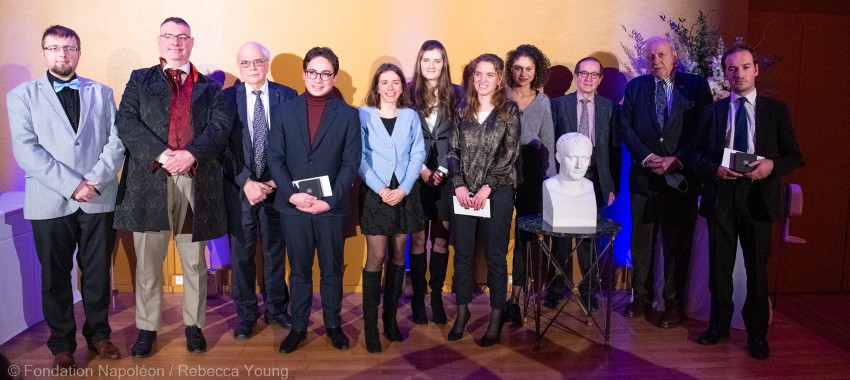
(390, 208)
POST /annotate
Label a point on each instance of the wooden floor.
(808, 338)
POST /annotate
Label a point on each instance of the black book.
(742, 160)
(311, 186)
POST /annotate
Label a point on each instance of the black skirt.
(381, 219)
(437, 201)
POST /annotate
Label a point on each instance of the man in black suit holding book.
(742, 205)
(315, 135)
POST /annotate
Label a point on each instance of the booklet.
(482, 213)
(318, 187)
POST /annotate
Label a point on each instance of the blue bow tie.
(74, 85)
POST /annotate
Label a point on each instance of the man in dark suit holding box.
(314, 135)
(742, 205)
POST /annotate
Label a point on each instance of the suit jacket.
(336, 151)
(606, 130)
(437, 142)
(401, 153)
(54, 157)
(642, 136)
(143, 120)
(238, 156)
(774, 140)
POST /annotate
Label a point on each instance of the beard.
(62, 70)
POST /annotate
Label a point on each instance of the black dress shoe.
(244, 330)
(282, 320)
(758, 348)
(636, 309)
(711, 336)
(290, 343)
(144, 344)
(338, 338)
(671, 318)
(195, 341)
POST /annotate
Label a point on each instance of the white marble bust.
(568, 198)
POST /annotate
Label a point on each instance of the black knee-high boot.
(392, 292)
(439, 263)
(371, 299)
(418, 264)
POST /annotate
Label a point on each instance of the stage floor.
(805, 341)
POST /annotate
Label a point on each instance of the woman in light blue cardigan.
(390, 207)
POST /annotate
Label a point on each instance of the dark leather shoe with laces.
(105, 349)
(711, 336)
(758, 348)
(290, 343)
(64, 360)
(283, 320)
(636, 309)
(144, 344)
(338, 338)
(671, 318)
(195, 341)
(244, 330)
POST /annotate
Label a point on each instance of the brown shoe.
(671, 318)
(64, 360)
(105, 349)
(636, 309)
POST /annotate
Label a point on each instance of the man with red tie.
(175, 122)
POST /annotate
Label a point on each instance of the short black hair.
(586, 59)
(735, 49)
(324, 52)
(176, 20)
(60, 32)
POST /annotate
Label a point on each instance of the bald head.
(253, 60)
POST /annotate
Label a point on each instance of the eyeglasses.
(67, 49)
(256, 63)
(324, 75)
(171, 37)
(584, 74)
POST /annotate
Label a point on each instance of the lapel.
(242, 107)
(86, 95)
(440, 125)
(572, 116)
(649, 97)
(762, 134)
(721, 118)
(274, 95)
(600, 122)
(327, 121)
(50, 96)
(301, 120)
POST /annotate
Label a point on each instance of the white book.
(482, 213)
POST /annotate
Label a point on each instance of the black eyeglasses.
(324, 75)
(584, 74)
(256, 62)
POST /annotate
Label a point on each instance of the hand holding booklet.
(482, 213)
(318, 187)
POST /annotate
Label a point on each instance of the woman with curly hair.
(435, 99)
(528, 72)
(390, 209)
(482, 152)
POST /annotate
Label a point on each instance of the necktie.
(73, 84)
(176, 78)
(660, 103)
(583, 123)
(261, 134)
(741, 130)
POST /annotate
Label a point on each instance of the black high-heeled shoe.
(497, 318)
(460, 323)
